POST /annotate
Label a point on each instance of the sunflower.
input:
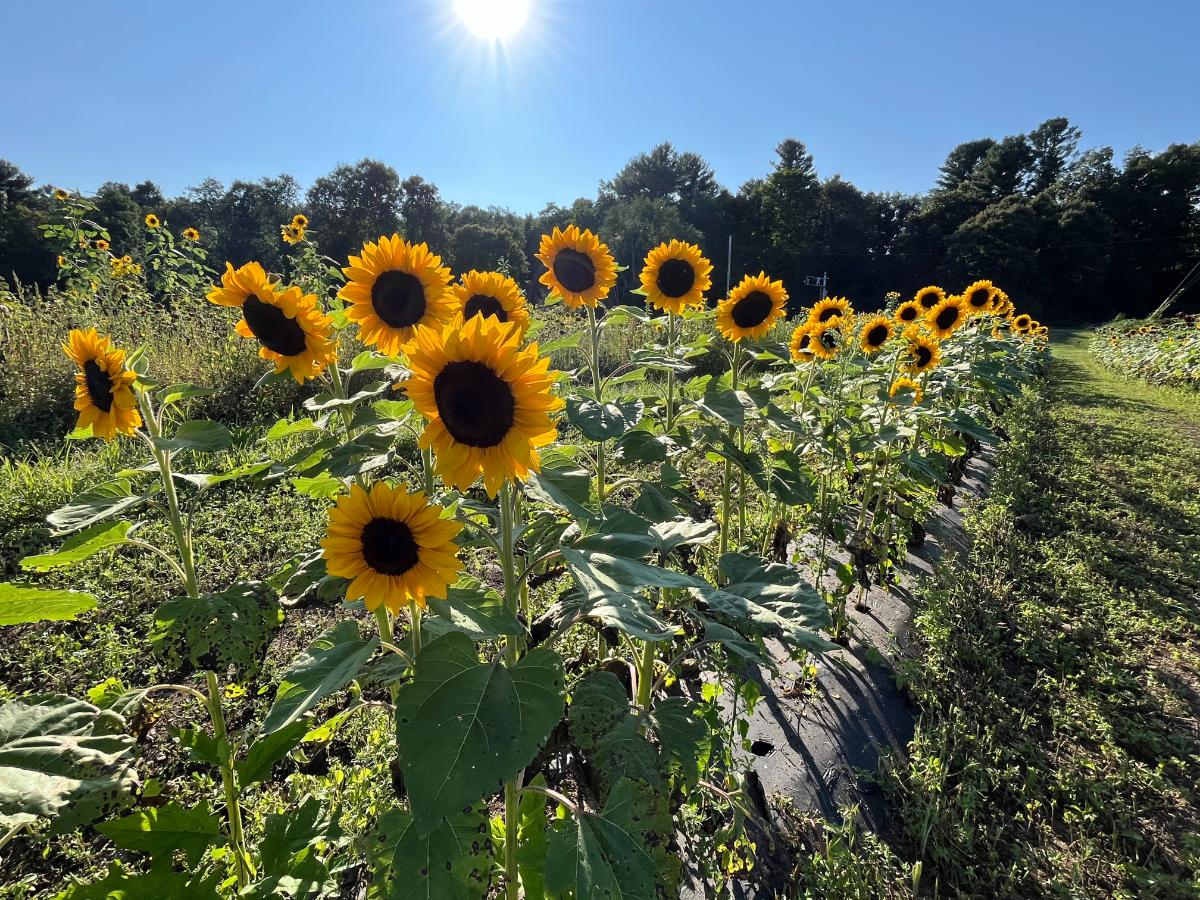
(61, 196)
(290, 328)
(394, 546)
(487, 402)
(579, 268)
(101, 244)
(191, 234)
(62, 261)
(103, 393)
(947, 317)
(152, 221)
(929, 297)
(396, 288)
(998, 303)
(978, 297)
(1022, 323)
(291, 233)
(923, 353)
(799, 344)
(300, 220)
(491, 294)
(909, 312)
(829, 309)
(826, 338)
(752, 308)
(877, 332)
(676, 276)
(906, 383)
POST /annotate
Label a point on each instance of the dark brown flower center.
(752, 310)
(829, 338)
(923, 355)
(978, 298)
(908, 314)
(877, 335)
(676, 277)
(388, 546)
(99, 385)
(476, 405)
(484, 306)
(947, 317)
(828, 313)
(398, 298)
(930, 300)
(274, 330)
(575, 271)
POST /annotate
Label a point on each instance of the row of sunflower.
(638, 518)
(1165, 351)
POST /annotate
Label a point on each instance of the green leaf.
(681, 531)
(63, 759)
(603, 573)
(262, 755)
(320, 487)
(328, 665)
(88, 542)
(283, 428)
(682, 734)
(201, 435)
(215, 631)
(163, 830)
(368, 360)
(727, 406)
(568, 342)
(607, 733)
(624, 853)
(176, 392)
(201, 747)
(628, 612)
(450, 861)
(531, 841)
(562, 484)
(19, 604)
(463, 726)
(157, 884)
(96, 504)
(716, 633)
(480, 615)
(763, 597)
(642, 446)
(601, 422)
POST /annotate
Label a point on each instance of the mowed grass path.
(1058, 669)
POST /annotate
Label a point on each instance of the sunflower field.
(548, 542)
(1162, 351)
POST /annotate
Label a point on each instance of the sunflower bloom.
(153, 221)
(978, 297)
(579, 268)
(904, 383)
(947, 317)
(923, 353)
(877, 332)
(799, 343)
(929, 297)
(829, 310)
(753, 307)
(300, 220)
(1022, 323)
(291, 233)
(909, 312)
(101, 244)
(191, 234)
(393, 545)
(676, 276)
(827, 339)
(103, 386)
(396, 289)
(491, 294)
(289, 326)
(61, 196)
(486, 401)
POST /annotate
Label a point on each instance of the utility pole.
(728, 264)
(820, 282)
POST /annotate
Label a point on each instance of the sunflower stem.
(233, 803)
(512, 651)
(727, 479)
(598, 388)
(670, 372)
(414, 613)
(179, 530)
(339, 391)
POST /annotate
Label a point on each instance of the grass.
(1057, 671)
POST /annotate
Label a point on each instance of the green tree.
(353, 204)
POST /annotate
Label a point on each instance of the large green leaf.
(642, 446)
(160, 831)
(450, 861)
(96, 504)
(622, 853)
(603, 574)
(531, 841)
(762, 597)
(269, 749)
(609, 735)
(328, 665)
(463, 726)
(201, 435)
(290, 833)
(726, 406)
(215, 631)
(88, 542)
(63, 759)
(562, 484)
(157, 884)
(682, 733)
(604, 421)
(479, 614)
(20, 604)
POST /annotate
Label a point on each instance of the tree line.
(1071, 233)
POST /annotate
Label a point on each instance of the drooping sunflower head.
(61, 196)
(923, 353)
(908, 386)
(490, 294)
(579, 268)
(101, 244)
(998, 304)
(191, 234)
(291, 233)
(909, 312)
(103, 386)
(752, 308)
(153, 221)
(827, 339)
(289, 326)
(877, 332)
(929, 297)
(300, 220)
(1022, 323)
(676, 276)
(829, 309)
(978, 297)
(799, 343)
(393, 545)
(947, 317)
(486, 401)
(395, 289)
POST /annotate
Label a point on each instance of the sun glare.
(493, 20)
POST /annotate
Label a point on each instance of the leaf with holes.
(463, 727)
(118, 884)
(453, 860)
(683, 735)
(608, 734)
(19, 604)
(215, 631)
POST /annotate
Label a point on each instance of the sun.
(493, 20)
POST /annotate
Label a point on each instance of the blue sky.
(175, 92)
